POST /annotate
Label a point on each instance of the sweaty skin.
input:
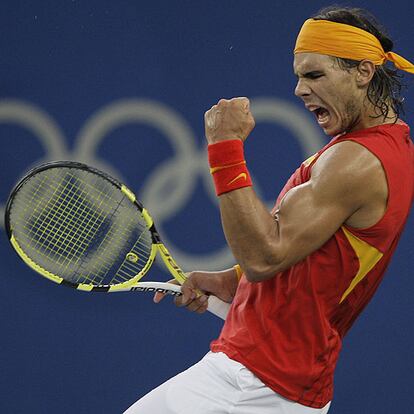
(347, 185)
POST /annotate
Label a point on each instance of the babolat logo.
(155, 290)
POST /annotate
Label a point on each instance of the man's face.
(329, 91)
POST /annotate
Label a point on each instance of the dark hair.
(384, 90)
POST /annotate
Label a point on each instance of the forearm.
(251, 233)
(341, 188)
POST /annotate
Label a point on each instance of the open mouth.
(322, 115)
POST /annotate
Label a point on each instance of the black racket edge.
(50, 165)
(68, 164)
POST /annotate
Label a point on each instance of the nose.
(302, 88)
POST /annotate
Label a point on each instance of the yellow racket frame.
(169, 262)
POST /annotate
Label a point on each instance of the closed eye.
(310, 75)
(313, 75)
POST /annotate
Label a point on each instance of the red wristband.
(227, 166)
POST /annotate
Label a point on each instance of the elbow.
(261, 271)
(265, 261)
(255, 277)
(265, 266)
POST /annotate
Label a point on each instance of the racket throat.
(172, 266)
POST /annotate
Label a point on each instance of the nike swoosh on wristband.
(240, 176)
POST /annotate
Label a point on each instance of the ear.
(365, 72)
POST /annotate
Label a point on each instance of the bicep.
(342, 184)
(307, 217)
(343, 181)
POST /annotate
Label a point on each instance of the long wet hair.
(384, 90)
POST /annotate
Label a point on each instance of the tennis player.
(310, 266)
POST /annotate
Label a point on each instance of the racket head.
(80, 227)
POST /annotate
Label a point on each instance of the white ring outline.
(169, 173)
(40, 124)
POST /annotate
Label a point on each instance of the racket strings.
(113, 241)
(57, 228)
(79, 226)
(37, 227)
(141, 248)
(59, 231)
(92, 223)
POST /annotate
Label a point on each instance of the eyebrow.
(311, 74)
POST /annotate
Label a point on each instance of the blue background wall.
(124, 85)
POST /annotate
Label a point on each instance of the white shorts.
(217, 385)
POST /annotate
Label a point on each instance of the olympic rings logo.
(187, 160)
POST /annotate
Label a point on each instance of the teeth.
(317, 111)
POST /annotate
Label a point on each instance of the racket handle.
(218, 307)
(215, 305)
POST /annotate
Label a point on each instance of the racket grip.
(218, 307)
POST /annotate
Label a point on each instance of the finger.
(208, 121)
(158, 297)
(213, 108)
(223, 102)
(210, 117)
(198, 305)
(202, 309)
(187, 296)
(243, 103)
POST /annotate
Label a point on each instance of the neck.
(372, 117)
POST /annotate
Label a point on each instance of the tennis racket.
(79, 227)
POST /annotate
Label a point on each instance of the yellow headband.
(345, 41)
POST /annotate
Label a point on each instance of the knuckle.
(178, 302)
(192, 307)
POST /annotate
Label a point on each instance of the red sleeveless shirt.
(288, 330)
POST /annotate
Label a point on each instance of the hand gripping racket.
(79, 227)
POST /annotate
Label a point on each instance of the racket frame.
(130, 285)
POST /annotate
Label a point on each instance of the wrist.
(221, 138)
(228, 166)
(230, 282)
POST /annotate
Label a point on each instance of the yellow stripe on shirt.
(368, 257)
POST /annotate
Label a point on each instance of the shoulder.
(347, 159)
(346, 155)
(348, 170)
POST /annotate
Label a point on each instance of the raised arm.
(347, 185)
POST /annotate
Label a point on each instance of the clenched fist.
(229, 119)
